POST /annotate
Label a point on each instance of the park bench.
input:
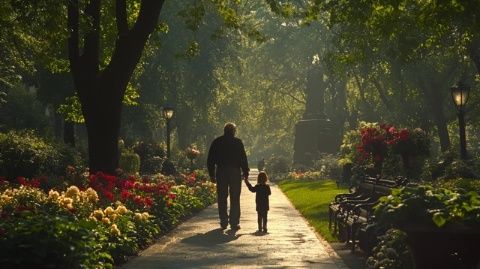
(349, 212)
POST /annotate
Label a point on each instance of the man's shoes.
(265, 230)
(235, 227)
(223, 226)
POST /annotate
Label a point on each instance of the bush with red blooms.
(369, 146)
(138, 193)
(377, 139)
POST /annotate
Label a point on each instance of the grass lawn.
(311, 198)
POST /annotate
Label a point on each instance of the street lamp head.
(168, 112)
(460, 93)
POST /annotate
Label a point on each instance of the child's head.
(262, 178)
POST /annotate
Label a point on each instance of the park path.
(200, 243)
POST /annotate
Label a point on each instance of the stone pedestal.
(314, 136)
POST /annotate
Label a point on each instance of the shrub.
(430, 206)
(391, 252)
(201, 174)
(22, 110)
(51, 242)
(129, 162)
(277, 165)
(328, 166)
(151, 155)
(24, 154)
(67, 229)
(43, 229)
(372, 144)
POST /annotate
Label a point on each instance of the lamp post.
(168, 114)
(460, 93)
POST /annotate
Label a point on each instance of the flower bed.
(373, 147)
(92, 226)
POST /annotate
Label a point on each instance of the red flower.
(138, 200)
(21, 181)
(403, 135)
(172, 195)
(125, 194)
(108, 195)
(148, 201)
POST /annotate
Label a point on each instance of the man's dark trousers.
(229, 182)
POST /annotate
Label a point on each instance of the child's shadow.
(259, 233)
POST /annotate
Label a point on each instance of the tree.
(101, 91)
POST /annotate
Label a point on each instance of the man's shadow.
(211, 238)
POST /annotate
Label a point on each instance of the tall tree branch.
(128, 49)
(121, 17)
(73, 39)
(91, 55)
(382, 93)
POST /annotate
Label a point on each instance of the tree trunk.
(69, 133)
(103, 133)
(101, 92)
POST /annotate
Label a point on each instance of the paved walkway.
(200, 243)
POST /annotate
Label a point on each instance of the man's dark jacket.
(227, 151)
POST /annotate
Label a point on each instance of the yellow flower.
(114, 230)
(98, 214)
(92, 195)
(145, 215)
(8, 192)
(121, 210)
(113, 216)
(5, 198)
(66, 201)
(72, 192)
(106, 220)
(109, 211)
(138, 216)
(53, 195)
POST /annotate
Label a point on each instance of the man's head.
(230, 129)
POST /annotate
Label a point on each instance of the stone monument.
(315, 133)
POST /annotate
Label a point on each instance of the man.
(226, 159)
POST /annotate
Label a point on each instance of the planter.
(453, 246)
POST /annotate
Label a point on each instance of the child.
(262, 191)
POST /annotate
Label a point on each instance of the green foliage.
(66, 229)
(152, 156)
(22, 110)
(348, 149)
(426, 205)
(51, 242)
(328, 166)
(201, 174)
(24, 154)
(391, 252)
(71, 110)
(459, 183)
(277, 165)
(129, 162)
